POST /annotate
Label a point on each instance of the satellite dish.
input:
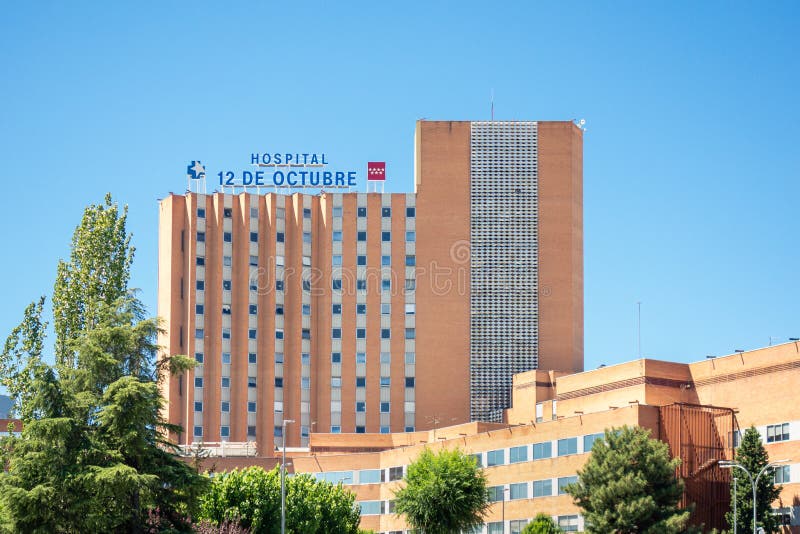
(582, 122)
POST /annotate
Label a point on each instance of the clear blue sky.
(691, 161)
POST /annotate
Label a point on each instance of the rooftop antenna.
(639, 328)
(492, 106)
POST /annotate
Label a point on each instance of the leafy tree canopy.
(252, 497)
(628, 485)
(542, 524)
(443, 493)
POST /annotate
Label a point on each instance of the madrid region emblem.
(196, 170)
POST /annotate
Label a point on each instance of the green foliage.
(443, 493)
(629, 485)
(542, 524)
(252, 497)
(752, 455)
(91, 456)
(95, 275)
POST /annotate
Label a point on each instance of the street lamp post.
(503, 517)
(283, 475)
(730, 464)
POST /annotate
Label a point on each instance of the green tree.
(542, 524)
(96, 274)
(443, 493)
(629, 485)
(91, 456)
(252, 497)
(752, 455)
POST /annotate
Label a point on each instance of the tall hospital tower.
(371, 312)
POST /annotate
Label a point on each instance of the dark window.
(253, 309)
(361, 382)
(201, 237)
(279, 237)
(201, 260)
(361, 259)
(386, 212)
(337, 309)
(336, 357)
(200, 285)
(386, 236)
(201, 212)
(227, 237)
(254, 237)
(278, 382)
(409, 381)
(361, 430)
(226, 284)
(362, 212)
(411, 212)
(227, 212)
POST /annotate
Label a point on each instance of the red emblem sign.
(376, 170)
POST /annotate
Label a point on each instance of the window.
(280, 237)
(386, 236)
(386, 308)
(200, 260)
(568, 523)
(280, 213)
(361, 259)
(589, 440)
(336, 429)
(519, 491)
(225, 382)
(198, 309)
(306, 261)
(370, 507)
(411, 261)
(254, 237)
(226, 333)
(278, 357)
(361, 430)
(253, 309)
(411, 333)
(567, 446)
(254, 212)
(307, 213)
(226, 309)
(201, 237)
(337, 236)
(227, 212)
(226, 357)
(361, 382)
(198, 406)
(361, 236)
(386, 261)
(386, 357)
(307, 285)
(198, 357)
(336, 333)
(305, 383)
(201, 213)
(251, 407)
(337, 212)
(251, 357)
(226, 285)
(496, 527)
(411, 212)
(385, 407)
(497, 457)
(336, 283)
(518, 454)
(782, 474)
(225, 406)
(306, 333)
(361, 333)
(337, 309)
(386, 284)
(386, 333)
(336, 381)
(386, 381)
(361, 309)
(386, 212)
(198, 333)
(361, 407)
(251, 430)
(278, 285)
(201, 285)
(411, 237)
(198, 431)
(251, 333)
(278, 382)
(306, 309)
(778, 432)
(411, 309)
(254, 261)
(563, 482)
(336, 357)
(361, 285)
(395, 473)
(410, 381)
(370, 476)
(410, 357)
(495, 493)
(517, 525)
(227, 237)
(361, 357)
(408, 429)
(542, 488)
(277, 432)
(279, 309)
(251, 381)
(478, 459)
(362, 212)
(411, 284)
(280, 260)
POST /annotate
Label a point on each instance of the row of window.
(361, 357)
(525, 490)
(386, 260)
(779, 432)
(361, 236)
(281, 212)
(225, 406)
(360, 429)
(225, 382)
(361, 333)
(538, 451)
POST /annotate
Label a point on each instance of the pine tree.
(91, 456)
(542, 524)
(628, 485)
(753, 457)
